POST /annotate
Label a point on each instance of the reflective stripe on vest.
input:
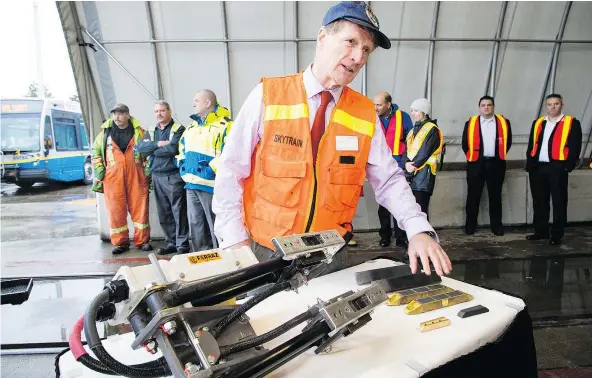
(559, 148)
(414, 143)
(474, 138)
(398, 144)
(502, 136)
(285, 194)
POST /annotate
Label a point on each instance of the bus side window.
(83, 136)
(47, 136)
(65, 134)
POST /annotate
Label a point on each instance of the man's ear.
(321, 36)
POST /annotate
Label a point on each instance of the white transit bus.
(43, 140)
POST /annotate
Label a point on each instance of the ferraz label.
(198, 259)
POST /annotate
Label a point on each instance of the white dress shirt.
(549, 127)
(387, 179)
(489, 135)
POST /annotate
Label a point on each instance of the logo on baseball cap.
(359, 13)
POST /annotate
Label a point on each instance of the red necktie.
(318, 127)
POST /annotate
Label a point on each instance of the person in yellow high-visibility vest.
(424, 145)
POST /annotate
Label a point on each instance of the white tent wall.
(169, 50)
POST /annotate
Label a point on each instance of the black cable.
(228, 320)
(57, 361)
(127, 371)
(256, 341)
(95, 365)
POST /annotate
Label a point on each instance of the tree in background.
(34, 91)
(75, 97)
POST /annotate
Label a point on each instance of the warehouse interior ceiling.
(450, 52)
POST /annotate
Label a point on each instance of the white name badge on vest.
(346, 143)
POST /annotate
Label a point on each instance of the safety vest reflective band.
(119, 229)
(474, 138)
(414, 143)
(394, 134)
(559, 148)
(285, 194)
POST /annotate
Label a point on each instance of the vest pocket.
(280, 181)
(344, 189)
(281, 217)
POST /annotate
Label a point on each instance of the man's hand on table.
(424, 247)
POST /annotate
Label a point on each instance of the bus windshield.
(20, 132)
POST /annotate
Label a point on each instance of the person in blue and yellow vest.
(424, 146)
(200, 148)
(486, 140)
(396, 125)
(553, 150)
(162, 147)
(120, 173)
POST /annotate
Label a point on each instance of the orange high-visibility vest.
(285, 194)
(559, 148)
(474, 137)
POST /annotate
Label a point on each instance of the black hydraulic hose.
(261, 366)
(228, 320)
(156, 368)
(192, 292)
(90, 319)
(127, 371)
(256, 341)
(95, 365)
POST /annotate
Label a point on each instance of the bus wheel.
(25, 184)
(88, 172)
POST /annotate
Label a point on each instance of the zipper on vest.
(314, 199)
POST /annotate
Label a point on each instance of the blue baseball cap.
(359, 13)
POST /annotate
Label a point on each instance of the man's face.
(486, 108)
(344, 53)
(120, 119)
(554, 107)
(416, 115)
(162, 114)
(381, 106)
(200, 104)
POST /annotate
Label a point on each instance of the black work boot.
(145, 247)
(170, 248)
(119, 249)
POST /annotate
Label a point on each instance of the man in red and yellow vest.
(553, 151)
(120, 171)
(396, 125)
(283, 172)
(486, 140)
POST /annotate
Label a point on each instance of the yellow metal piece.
(433, 324)
(405, 296)
(437, 302)
(204, 257)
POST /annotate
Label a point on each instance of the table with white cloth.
(498, 343)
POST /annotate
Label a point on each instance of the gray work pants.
(172, 208)
(201, 220)
(263, 253)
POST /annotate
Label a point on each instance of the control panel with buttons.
(295, 246)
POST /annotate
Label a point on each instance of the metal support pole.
(394, 39)
(495, 52)
(558, 46)
(296, 55)
(123, 68)
(154, 51)
(226, 55)
(430, 70)
(582, 154)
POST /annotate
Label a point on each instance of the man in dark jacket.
(168, 185)
(553, 150)
(486, 140)
(424, 145)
